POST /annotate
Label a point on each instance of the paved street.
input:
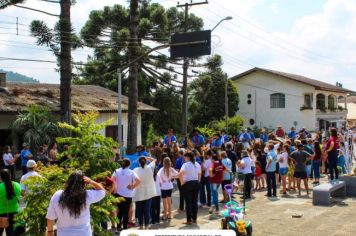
(276, 217)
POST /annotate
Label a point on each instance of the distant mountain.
(16, 77)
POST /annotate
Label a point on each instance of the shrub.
(89, 152)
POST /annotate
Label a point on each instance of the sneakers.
(211, 210)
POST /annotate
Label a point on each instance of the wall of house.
(260, 86)
(107, 116)
(351, 115)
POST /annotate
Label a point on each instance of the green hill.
(16, 77)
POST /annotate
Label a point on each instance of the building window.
(331, 102)
(278, 100)
(320, 101)
(308, 100)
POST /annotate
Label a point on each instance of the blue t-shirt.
(217, 143)
(272, 155)
(252, 135)
(168, 140)
(179, 163)
(244, 137)
(292, 135)
(264, 137)
(198, 160)
(24, 157)
(228, 165)
(142, 153)
(198, 140)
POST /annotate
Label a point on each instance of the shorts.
(166, 193)
(301, 175)
(225, 182)
(283, 171)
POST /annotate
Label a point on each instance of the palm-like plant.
(37, 126)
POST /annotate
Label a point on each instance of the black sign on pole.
(192, 44)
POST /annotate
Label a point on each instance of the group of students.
(200, 169)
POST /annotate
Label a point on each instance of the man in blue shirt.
(217, 142)
(244, 138)
(225, 138)
(264, 136)
(252, 135)
(169, 138)
(271, 170)
(178, 166)
(197, 140)
(292, 134)
(25, 155)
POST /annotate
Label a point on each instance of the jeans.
(205, 185)
(123, 214)
(332, 159)
(143, 211)
(155, 209)
(316, 169)
(191, 191)
(215, 194)
(181, 196)
(248, 185)
(271, 184)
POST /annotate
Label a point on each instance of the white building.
(16, 97)
(351, 110)
(269, 98)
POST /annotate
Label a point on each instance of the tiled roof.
(302, 79)
(18, 96)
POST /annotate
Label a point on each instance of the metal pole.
(119, 110)
(226, 104)
(185, 81)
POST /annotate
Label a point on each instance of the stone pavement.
(275, 217)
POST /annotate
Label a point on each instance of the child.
(342, 161)
(165, 175)
(258, 175)
(290, 175)
(156, 201)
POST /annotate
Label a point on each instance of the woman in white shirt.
(245, 165)
(166, 174)
(283, 166)
(71, 206)
(125, 180)
(189, 176)
(9, 161)
(144, 193)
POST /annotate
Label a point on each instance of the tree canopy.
(208, 95)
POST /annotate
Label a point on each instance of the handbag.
(4, 221)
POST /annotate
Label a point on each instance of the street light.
(226, 18)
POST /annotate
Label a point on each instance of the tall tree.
(133, 73)
(60, 41)
(120, 36)
(208, 95)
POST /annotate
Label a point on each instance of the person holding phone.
(71, 206)
(125, 180)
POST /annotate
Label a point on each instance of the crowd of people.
(198, 167)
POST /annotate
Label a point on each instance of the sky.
(315, 38)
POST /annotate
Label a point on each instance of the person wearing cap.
(280, 132)
(25, 155)
(300, 158)
(30, 165)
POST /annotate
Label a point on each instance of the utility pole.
(119, 110)
(185, 70)
(226, 104)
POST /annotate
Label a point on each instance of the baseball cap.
(31, 164)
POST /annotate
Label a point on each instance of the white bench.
(322, 193)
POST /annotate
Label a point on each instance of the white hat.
(31, 164)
